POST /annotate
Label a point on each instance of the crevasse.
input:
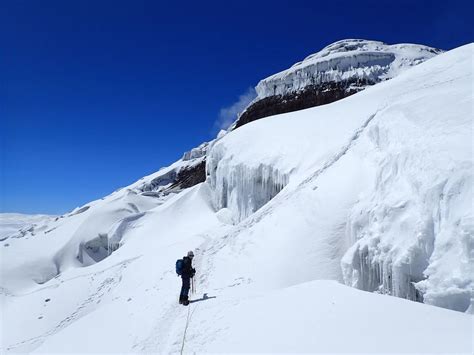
(240, 188)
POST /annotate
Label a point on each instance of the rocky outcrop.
(190, 170)
(310, 96)
(190, 176)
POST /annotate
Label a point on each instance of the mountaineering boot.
(185, 300)
(180, 299)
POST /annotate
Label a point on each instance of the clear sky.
(96, 94)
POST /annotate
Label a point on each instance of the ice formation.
(416, 244)
(240, 188)
(356, 62)
(197, 152)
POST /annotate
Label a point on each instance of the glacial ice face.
(375, 266)
(366, 67)
(369, 62)
(418, 250)
(197, 152)
(239, 188)
(413, 235)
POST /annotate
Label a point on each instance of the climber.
(184, 268)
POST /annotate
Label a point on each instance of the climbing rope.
(188, 317)
(185, 329)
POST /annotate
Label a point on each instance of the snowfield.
(18, 225)
(373, 191)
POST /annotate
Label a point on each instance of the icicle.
(240, 188)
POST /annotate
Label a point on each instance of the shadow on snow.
(204, 298)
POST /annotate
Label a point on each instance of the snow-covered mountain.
(337, 71)
(18, 225)
(284, 215)
(356, 61)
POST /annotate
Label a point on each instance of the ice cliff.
(357, 62)
(337, 71)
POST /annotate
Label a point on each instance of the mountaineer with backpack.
(184, 268)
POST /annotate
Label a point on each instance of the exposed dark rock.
(190, 176)
(191, 172)
(176, 180)
(311, 96)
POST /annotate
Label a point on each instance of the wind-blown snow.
(374, 190)
(360, 62)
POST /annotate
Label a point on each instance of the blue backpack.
(179, 266)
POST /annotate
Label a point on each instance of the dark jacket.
(188, 270)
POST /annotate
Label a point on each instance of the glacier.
(357, 62)
(412, 212)
(369, 193)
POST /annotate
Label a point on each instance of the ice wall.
(197, 152)
(347, 61)
(366, 67)
(242, 189)
(413, 232)
(419, 248)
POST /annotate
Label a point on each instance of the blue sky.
(97, 94)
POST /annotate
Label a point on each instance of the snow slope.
(335, 319)
(373, 191)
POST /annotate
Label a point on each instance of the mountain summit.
(337, 71)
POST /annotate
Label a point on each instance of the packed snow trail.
(188, 319)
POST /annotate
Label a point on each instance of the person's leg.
(185, 289)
